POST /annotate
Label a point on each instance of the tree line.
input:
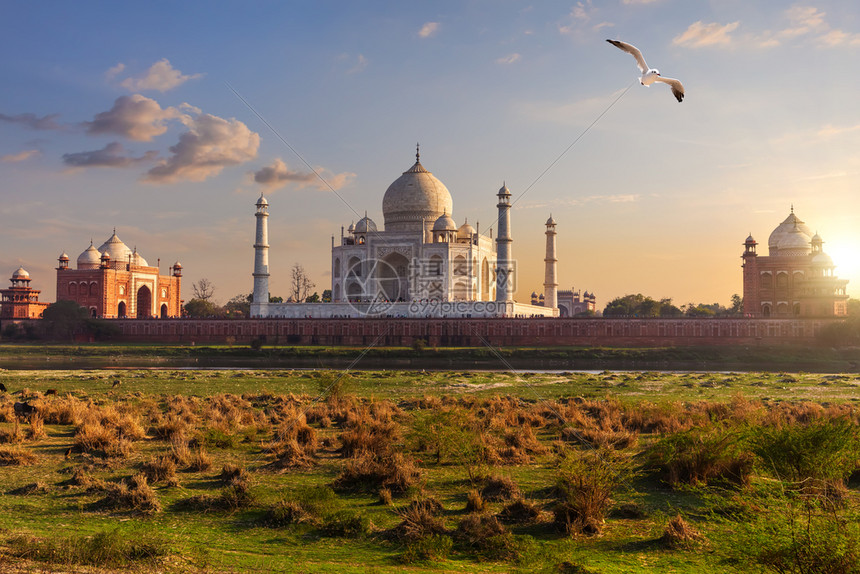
(642, 306)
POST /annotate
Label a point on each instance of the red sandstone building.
(20, 301)
(795, 279)
(114, 281)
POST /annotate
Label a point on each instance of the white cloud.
(115, 71)
(134, 117)
(580, 15)
(20, 156)
(360, 65)
(509, 59)
(112, 155)
(161, 76)
(429, 29)
(278, 174)
(210, 144)
(699, 34)
(34, 122)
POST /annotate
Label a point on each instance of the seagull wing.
(631, 49)
(677, 87)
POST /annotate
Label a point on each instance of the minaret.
(550, 281)
(260, 302)
(504, 259)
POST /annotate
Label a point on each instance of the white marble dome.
(414, 197)
(444, 223)
(137, 259)
(785, 230)
(365, 225)
(795, 242)
(90, 259)
(117, 250)
(20, 273)
(466, 231)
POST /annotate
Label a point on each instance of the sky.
(167, 120)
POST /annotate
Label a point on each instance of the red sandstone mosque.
(795, 279)
(113, 281)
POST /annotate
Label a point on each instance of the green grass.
(239, 540)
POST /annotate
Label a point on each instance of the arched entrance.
(392, 274)
(144, 302)
(164, 311)
(120, 310)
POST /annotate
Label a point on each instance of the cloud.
(630, 2)
(31, 121)
(360, 65)
(699, 34)
(278, 174)
(509, 59)
(580, 18)
(136, 117)
(161, 76)
(210, 144)
(112, 155)
(115, 71)
(20, 156)
(429, 29)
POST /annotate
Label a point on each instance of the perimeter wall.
(528, 332)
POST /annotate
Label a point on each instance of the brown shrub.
(12, 436)
(474, 501)
(291, 454)
(368, 472)
(133, 494)
(474, 529)
(160, 469)
(36, 429)
(520, 511)
(418, 520)
(16, 457)
(199, 460)
(375, 437)
(233, 473)
(679, 534)
(499, 489)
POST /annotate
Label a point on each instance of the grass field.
(457, 471)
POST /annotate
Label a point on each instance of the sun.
(845, 252)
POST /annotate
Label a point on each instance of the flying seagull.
(650, 75)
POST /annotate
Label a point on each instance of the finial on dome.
(417, 153)
(792, 208)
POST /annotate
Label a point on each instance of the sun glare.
(845, 251)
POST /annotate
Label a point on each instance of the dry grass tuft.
(16, 457)
(132, 494)
(520, 511)
(499, 489)
(474, 501)
(679, 534)
(32, 488)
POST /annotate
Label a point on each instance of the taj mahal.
(420, 264)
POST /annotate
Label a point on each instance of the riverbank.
(743, 358)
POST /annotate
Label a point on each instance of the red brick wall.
(476, 332)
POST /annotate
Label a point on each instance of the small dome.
(365, 225)
(20, 273)
(117, 250)
(105, 256)
(466, 231)
(90, 258)
(504, 190)
(351, 227)
(534, 295)
(136, 259)
(64, 256)
(750, 240)
(445, 223)
(816, 239)
(822, 259)
(177, 265)
(262, 201)
(550, 221)
(541, 297)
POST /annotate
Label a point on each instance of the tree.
(203, 289)
(300, 283)
(326, 296)
(315, 298)
(201, 308)
(640, 306)
(63, 319)
(737, 307)
(239, 306)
